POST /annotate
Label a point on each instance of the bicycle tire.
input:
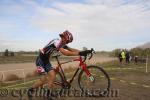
(100, 70)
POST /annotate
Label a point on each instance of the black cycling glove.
(84, 53)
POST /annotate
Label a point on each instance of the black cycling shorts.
(46, 66)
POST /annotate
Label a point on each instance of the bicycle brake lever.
(92, 51)
(91, 55)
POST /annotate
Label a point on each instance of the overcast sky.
(101, 24)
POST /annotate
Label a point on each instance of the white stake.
(23, 75)
(3, 77)
(146, 64)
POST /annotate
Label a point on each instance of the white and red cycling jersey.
(53, 46)
(45, 53)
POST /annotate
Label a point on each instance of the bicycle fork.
(84, 66)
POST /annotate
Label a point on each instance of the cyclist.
(43, 64)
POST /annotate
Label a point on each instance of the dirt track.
(127, 90)
(16, 69)
(131, 81)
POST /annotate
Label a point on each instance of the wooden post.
(23, 75)
(146, 64)
(3, 77)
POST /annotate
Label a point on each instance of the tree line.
(133, 52)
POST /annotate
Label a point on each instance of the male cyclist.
(43, 64)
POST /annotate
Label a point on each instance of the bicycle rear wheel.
(99, 85)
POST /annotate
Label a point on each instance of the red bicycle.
(89, 78)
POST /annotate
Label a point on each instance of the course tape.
(18, 84)
(131, 83)
(123, 68)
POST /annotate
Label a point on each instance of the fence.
(9, 76)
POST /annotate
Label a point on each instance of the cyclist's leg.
(51, 78)
(40, 82)
(51, 74)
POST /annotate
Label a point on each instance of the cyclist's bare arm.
(69, 53)
(73, 49)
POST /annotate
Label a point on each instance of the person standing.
(120, 57)
(127, 54)
(123, 55)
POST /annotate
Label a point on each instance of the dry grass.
(12, 77)
(29, 75)
(16, 59)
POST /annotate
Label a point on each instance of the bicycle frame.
(82, 65)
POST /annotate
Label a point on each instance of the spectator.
(123, 55)
(120, 58)
(127, 54)
(136, 59)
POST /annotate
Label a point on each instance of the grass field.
(131, 80)
(17, 59)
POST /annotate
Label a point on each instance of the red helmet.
(67, 35)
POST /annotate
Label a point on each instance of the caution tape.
(131, 83)
(123, 68)
(19, 84)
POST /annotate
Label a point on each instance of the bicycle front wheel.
(98, 82)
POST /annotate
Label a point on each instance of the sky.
(101, 24)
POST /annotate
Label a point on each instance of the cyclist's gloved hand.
(84, 53)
